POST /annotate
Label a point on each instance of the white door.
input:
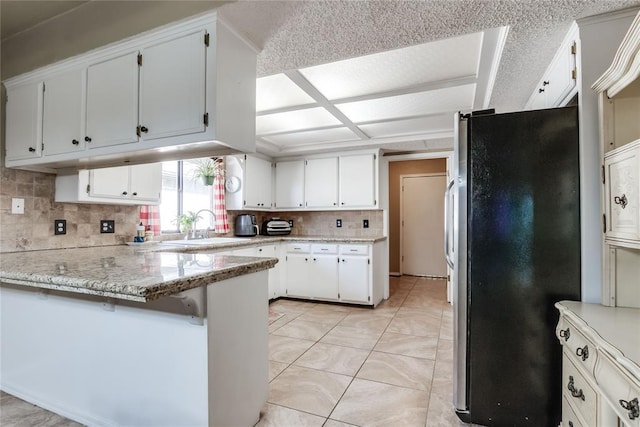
(290, 184)
(112, 101)
(357, 180)
(146, 181)
(62, 117)
(422, 224)
(321, 183)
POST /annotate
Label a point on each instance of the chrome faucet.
(195, 222)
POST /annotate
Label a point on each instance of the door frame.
(402, 177)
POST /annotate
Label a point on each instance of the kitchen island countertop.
(123, 272)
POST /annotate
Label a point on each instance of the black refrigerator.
(515, 251)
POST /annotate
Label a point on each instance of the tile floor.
(332, 365)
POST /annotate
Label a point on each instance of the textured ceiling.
(300, 34)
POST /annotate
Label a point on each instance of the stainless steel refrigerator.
(515, 251)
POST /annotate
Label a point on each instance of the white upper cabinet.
(185, 90)
(172, 92)
(321, 183)
(112, 101)
(109, 182)
(290, 184)
(24, 136)
(559, 82)
(357, 181)
(145, 181)
(257, 178)
(63, 123)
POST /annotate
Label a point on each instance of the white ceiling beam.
(493, 42)
(314, 93)
(285, 132)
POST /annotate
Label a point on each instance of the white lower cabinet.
(272, 251)
(297, 276)
(323, 271)
(354, 274)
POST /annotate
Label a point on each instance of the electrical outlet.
(365, 223)
(107, 226)
(338, 223)
(291, 223)
(59, 226)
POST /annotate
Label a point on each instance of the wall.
(395, 170)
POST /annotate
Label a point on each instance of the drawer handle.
(353, 250)
(565, 333)
(32, 150)
(578, 394)
(583, 352)
(622, 201)
(632, 407)
(324, 249)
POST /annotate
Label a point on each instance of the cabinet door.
(354, 279)
(257, 180)
(297, 275)
(357, 181)
(24, 122)
(109, 182)
(622, 190)
(271, 251)
(112, 101)
(172, 87)
(324, 276)
(290, 184)
(321, 183)
(63, 121)
(560, 78)
(145, 182)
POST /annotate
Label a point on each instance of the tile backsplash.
(33, 230)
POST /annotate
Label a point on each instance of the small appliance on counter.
(246, 226)
(276, 227)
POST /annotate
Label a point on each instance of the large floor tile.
(308, 390)
(445, 350)
(275, 368)
(351, 337)
(324, 316)
(398, 370)
(334, 423)
(16, 412)
(303, 329)
(408, 345)
(333, 358)
(415, 325)
(366, 322)
(279, 416)
(369, 403)
(286, 349)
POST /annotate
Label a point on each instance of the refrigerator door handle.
(447, 223)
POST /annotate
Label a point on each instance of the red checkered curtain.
(150, 217)
(219, 205)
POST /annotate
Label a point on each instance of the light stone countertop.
(124, 272)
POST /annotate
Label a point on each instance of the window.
(181, 193)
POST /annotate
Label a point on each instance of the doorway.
(422, 225)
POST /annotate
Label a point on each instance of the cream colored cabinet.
(257, 183)
(132, 185)
(622, 190)
(23, 134)
(321, 183)
(172, 86)
(112, 101)
(63, 116)
(559, 82)
(289, 178)
(357, 181)
(355, 274)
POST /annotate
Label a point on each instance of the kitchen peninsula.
(123, 336)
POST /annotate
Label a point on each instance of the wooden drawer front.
(622, 190)
(303, 248)
(581, 351)
(622, 392)
(354, 250)
(324, 249)
(577, 391)
(569, 417)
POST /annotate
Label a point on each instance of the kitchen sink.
(203, 242)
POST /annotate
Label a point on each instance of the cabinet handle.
(583, 352)
(570, 423)
(144, 129)
(565, 333)
(75, 142)
(135, 193)
(306, 259)
(342, 203)
(342, 259)
(578, 394)
(300, 204)
(32, 150)
(124, 193)
(546, 82)
(622, 201)
(315, 259)
(334, 203)
(540, 90)
(86, 138)
(632, 407)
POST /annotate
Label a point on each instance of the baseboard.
(395, 274)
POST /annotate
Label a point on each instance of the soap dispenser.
(139, 238)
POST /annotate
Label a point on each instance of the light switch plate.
(17, 206)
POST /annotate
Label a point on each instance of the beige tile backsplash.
(33, 230)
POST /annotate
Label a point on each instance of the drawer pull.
(583, 352)
(578, 394)
(632, 407)
(565, 333)
(622, 201)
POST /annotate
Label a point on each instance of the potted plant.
(186, 221)
(207, 169)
